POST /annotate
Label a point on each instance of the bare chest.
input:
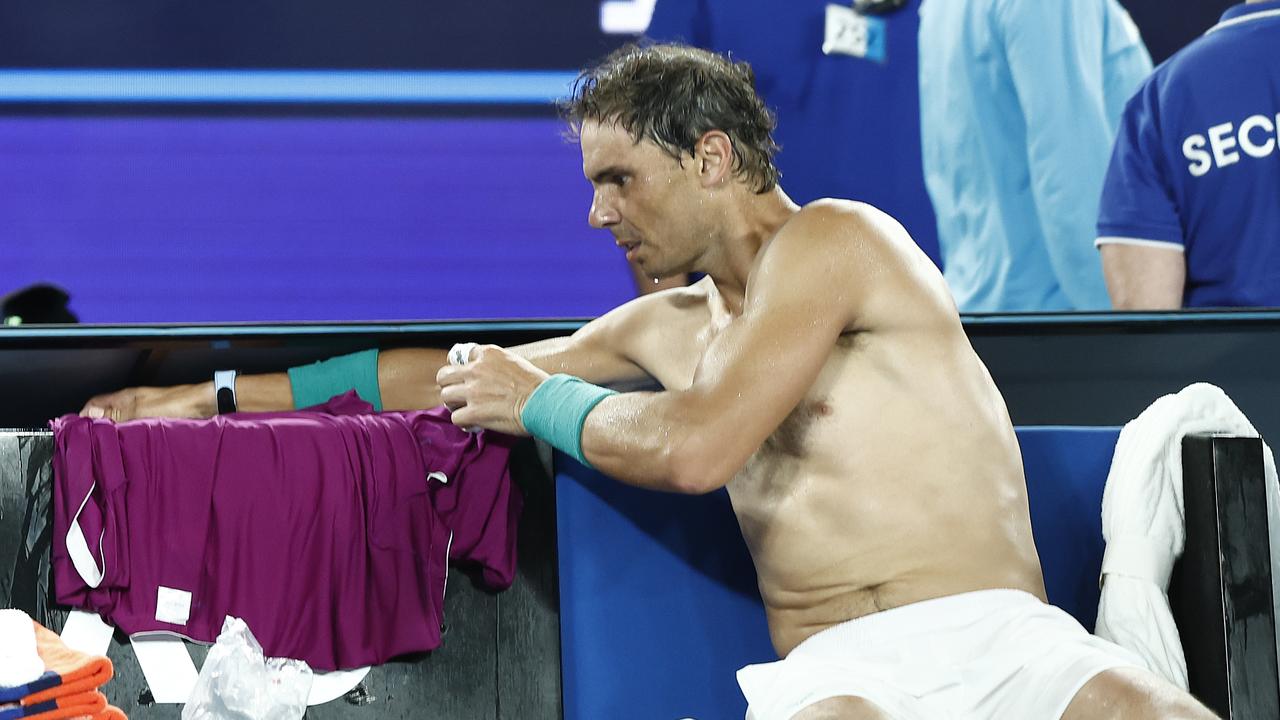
(812, 440)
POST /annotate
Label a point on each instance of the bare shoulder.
(860, 254)
(831, 225)
(846, 237)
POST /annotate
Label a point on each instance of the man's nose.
(602, 214)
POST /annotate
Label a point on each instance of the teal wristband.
(557, 410)
(316, 383)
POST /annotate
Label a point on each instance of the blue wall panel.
(282, 218)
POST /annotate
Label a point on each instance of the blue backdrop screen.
(150, 219)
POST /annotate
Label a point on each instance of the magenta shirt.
(328, 531)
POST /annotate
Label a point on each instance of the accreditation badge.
(849, 32)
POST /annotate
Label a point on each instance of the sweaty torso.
(896, 479)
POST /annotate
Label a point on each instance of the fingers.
(478, 387)
(102, 411)
(463, 359)
(119, 406)
(453, 396)
(99, 406)
(450, 375)
(473, 418)
(464, 417)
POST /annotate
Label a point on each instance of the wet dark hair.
(673, 95)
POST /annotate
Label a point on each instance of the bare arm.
(754, 373)
(1143, 277)
(405, 377)
(254, 393)
(599, 352)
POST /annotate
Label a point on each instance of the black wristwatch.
(224, 390)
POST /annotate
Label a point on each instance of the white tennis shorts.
(986, 654)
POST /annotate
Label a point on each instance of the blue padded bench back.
(658, 598)
(1066, 470)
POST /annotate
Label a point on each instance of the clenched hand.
(182, 401)
(490, 389)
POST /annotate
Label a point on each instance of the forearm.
(269, 392)
(650, 440)
(407, 377)
(406, 381)
(254, 393)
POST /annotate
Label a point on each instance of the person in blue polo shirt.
(1020, 101)
(1190, 211)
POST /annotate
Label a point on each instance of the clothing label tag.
(173, 606)
(438, 477)
(849, 33)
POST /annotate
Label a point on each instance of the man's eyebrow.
(600, 176)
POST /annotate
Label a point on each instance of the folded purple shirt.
(328, 531)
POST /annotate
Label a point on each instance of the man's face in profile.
(647, 199)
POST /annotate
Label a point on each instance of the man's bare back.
(896, 479)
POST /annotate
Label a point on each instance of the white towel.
(1143, 521)
(19, 662)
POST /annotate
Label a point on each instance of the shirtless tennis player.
(819, 372)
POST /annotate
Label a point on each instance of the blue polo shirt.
(1196, 165)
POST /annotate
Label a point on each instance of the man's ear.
(714, 155)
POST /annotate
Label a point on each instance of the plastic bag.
(237, 683)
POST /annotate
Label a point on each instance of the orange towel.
(81, 673)
(86, 706)
(68, 688)
(66, 706)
